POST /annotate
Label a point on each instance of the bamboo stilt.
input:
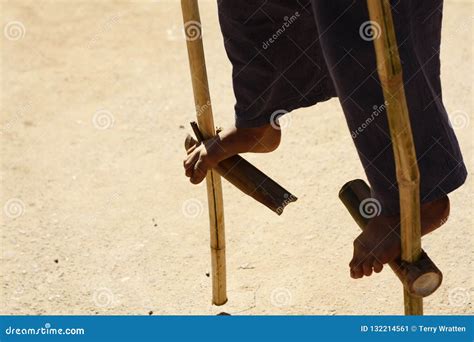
(408, 178)
(192, 26)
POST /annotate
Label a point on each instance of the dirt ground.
(98, 217)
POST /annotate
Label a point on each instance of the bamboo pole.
(202, 99)
(390, 73)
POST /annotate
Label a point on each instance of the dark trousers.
(289, 54)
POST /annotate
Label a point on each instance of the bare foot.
(202, 157)
(380, 241)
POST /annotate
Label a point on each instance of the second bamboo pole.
(390, 73)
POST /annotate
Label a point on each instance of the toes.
(191, 150)
(189, 164)
(364, 268)
(367, 267)
(357, 272)
(378, 266)
(190, 160)
(356, 269)
(356, 262)
(199, 173)
(189, 142)
(189, 172)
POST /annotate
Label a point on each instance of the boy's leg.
(264, 40)
(349, 53)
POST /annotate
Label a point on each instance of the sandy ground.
(98, 217)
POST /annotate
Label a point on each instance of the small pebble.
(56, 261)
(150, 313)
(207, 274)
